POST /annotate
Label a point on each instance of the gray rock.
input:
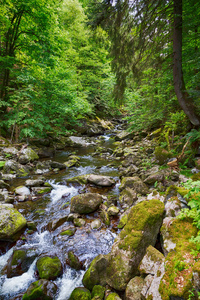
(85, 203)
(77, 141)
(122, 135)
(153, 265)
(113, 211)
(127, 197)
(3, 184)
(96, 224)
(134, 183)
(10, 150)
(156, 177)
(79, 222)
(134, 288)
(28, 155)
(57, 165)
(12, 166)
(101, 180)
(35, 182)
(22, 191)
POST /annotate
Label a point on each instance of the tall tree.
(141, 31)
(183, 97)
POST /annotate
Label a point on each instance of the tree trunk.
(184, 99)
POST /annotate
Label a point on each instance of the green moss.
(68, 232)
(45, 190)
(123, 221)
(196, 176)
(105, 217)
(98, 291)
(113, 296)
(35, 294)
(38, 290)
(2, 164)
(162, 155)
(18, 256)
(74, 261)
(49, 268)
(80, 293)
(143, 214)
(179, 264)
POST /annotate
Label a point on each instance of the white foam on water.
(70, 280)
(60, 190)
(18, 283)
(4, 258)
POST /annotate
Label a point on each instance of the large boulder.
(134, 183)
(101, 180)
(141, 230)
(85, 203)
(41, 289)
(95, 275)
(11, 222)
(49, 267)
(28, 155)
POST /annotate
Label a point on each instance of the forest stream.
(86, 243)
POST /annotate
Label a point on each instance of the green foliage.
(193, 135)
(57, 71)
(152, 102)
(194, 212)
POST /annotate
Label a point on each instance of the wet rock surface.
(95, 214)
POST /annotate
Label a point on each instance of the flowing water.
(85, 243)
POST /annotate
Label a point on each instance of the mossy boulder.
(49, 267)
(41, 289)
(11, 222)
(144, 221)
(28, 155)
(134, 183)
(98, 291)
(113, 296)
(162, 155)
(179, 279)
(19, 262)
(85, 203)
(95, 275)
(80, 293)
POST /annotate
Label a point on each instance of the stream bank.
(131, 236)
